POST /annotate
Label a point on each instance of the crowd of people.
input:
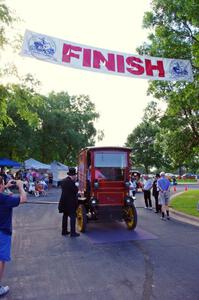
(35, 182)
(159, 188)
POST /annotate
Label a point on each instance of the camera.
(14, 184)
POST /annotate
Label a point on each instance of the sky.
(108, 24)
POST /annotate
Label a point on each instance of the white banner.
(84, 57)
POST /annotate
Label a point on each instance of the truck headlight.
(128, 201)
(93, 202)
(96, 184)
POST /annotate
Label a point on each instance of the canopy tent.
(35, 164)
(59, 171)
(6, 162)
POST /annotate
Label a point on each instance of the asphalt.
(47, 265)
(177, 215)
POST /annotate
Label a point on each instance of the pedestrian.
(7, 202)
(132, 187)
(3, 174)
(155, 193)
(68, 203)
(164, 189)
(148, 183)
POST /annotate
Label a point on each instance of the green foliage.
(19, 120)
(6, 18)
(67, 126)
(146, 152)
(141, 140)
(174, 33)
(46, 128)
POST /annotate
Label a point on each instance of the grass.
(181, 181)
(187, 203)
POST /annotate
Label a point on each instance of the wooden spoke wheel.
(130, 217)
(81, 218)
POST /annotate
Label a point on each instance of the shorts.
(5, 246)
(164, 197)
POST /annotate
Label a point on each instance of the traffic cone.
(186, 188)
(174, 188)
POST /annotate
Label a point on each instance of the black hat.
(72, 172)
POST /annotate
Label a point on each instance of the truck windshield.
(110, 165)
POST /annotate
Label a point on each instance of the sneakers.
(4, 290)
(163, 218)
(168, 218)
(75, 234)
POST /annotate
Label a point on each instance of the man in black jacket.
(155, 193)
(68, 202)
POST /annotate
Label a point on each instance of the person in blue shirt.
(7, 203)
(163, 185)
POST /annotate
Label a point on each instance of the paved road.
(48, 266)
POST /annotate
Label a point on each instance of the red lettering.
(136, 69)
(120, 63)
(99, 58)
(87, 57)
(67, 52)
(159, 67)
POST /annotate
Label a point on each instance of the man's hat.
(72, 172)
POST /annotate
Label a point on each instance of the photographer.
(7, 202)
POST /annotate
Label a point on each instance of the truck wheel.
(81, 218)
(130, 217)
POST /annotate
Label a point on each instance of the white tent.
(59, 171)
(35, 164)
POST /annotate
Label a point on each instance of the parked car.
(189, 176)
(169, 175)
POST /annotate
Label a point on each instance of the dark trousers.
(72, 223)
(147, 198)
(157, 205)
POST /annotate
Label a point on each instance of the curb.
(180, 216)
(183, 217)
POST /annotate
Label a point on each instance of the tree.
(67, 125)
(45, 127)
(20, 120)
(53, 127)
(175, 33)
(6, 19)
(143, 138)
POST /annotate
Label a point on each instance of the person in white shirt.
(132, 187)
(147, 192)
